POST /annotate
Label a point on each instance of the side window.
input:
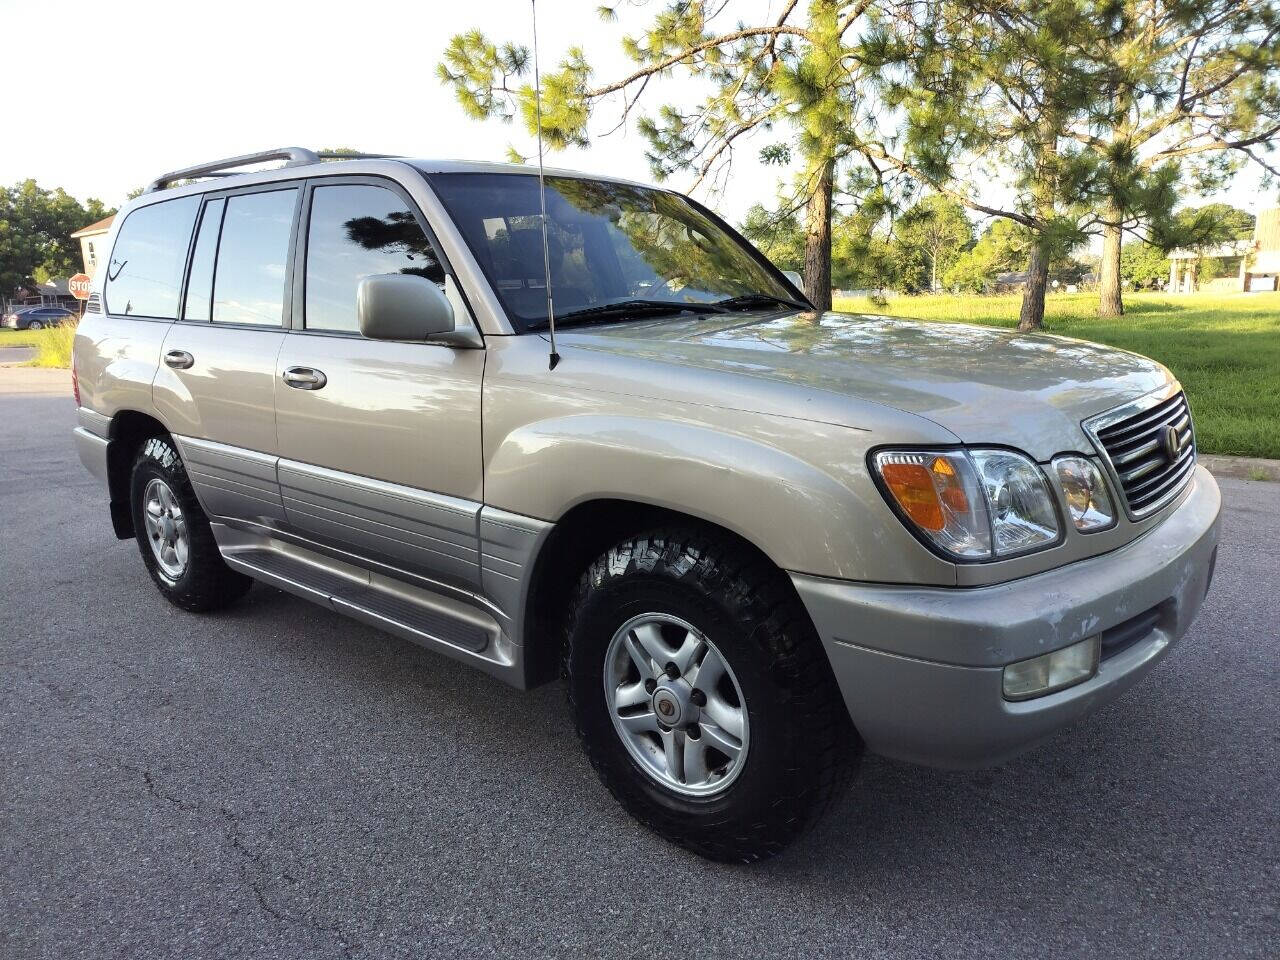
(144, 274)
(253, 256)
(200, 280)
(355, 231)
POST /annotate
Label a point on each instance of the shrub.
(53, 346)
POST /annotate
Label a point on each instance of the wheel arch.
(581, 535)
(128, 430)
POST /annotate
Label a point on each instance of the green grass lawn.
(1225, 348)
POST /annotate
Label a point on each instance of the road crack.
(254, 870)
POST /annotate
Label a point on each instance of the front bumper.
(921, 668)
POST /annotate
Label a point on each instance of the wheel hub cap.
(673, 706)
(166, 528)
(676, 704)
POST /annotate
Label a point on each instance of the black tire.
(804, 748)
(206, 583)
(35, 325)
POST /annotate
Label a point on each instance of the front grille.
(1149, 468)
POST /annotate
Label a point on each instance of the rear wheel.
(173, 533)
(35, 325)
(703, 697)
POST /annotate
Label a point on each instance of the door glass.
(357, 231)
(253, 255)
(200, 280)
(144, 276)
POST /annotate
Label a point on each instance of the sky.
(114, 92)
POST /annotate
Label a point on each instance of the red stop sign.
(79, 286)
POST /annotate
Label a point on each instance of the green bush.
(53, 346)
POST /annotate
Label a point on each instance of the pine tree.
(793, 80)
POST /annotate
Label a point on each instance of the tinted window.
(253, 256)
(607, 243)
(144, 276)
(200, 280)
(357, 231)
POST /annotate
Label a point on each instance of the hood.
(986, 385)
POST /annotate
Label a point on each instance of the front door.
(379, 441)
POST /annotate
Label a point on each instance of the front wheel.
(703, 697)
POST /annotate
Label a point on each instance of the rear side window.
(253, 255)
(200, 280)
(144, 277)
(356, 231)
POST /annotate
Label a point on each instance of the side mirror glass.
(402, 306)
(797, 281)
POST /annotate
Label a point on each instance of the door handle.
(305, 378)
(178, 359)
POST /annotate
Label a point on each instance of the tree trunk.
(1110, 303)
(1032, 315)
(817, 241)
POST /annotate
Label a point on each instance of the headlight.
(1086, 493)
(1021, 507)
(973, 505)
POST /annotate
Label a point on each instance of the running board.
(431, 620)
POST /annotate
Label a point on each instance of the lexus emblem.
(1172, 443)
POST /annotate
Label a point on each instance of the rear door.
(379, 441)
(216, 386)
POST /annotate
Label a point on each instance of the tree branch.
(693, 51)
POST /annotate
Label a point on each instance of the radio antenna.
(542, 195)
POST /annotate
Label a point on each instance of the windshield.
(609, 243)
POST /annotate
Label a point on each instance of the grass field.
(1225, 348)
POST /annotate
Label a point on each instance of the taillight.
(75, 380)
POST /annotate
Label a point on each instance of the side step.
(432, 620)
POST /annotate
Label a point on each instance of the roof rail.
(225, 168)
(294, 156)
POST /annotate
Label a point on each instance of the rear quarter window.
(144, 275)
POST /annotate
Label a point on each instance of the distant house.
(55, 293)
(1255, 262)
(92, 239)
(1262, 272)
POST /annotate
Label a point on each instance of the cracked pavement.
(277, 781)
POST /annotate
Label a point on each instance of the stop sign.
(79, 286)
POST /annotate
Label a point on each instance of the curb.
(1246, 468)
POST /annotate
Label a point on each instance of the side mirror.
(797, 281)
(402, 306)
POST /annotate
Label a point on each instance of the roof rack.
(294, 156)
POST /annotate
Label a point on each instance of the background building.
(1262, 272)
(91, 240)
(1255, 263)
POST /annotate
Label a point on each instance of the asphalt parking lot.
(276, 781)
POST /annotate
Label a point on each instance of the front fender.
(824, 520)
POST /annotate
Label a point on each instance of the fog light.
(1051, 671)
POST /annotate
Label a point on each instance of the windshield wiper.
(606, 312)
(749, 301)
